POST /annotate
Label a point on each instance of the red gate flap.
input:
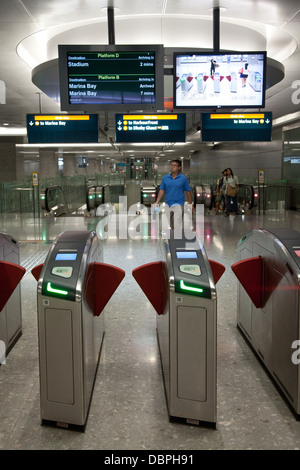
(153, 280)
(10, 276)
(36, 271)
(217, 270)
(106, 281)
(250, 274)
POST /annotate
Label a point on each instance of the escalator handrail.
(251, 205)
(47, 191)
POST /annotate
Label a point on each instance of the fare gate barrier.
(201, 82)
(186, 82)
(10, 298)
(97, 195)
(203, 194)
(181, 288)
(268, 306)
(74, 285)
(148, 194)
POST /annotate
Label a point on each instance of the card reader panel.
(190, 271)
(62, 269)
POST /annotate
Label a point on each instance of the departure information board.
(150, 127)
(64, 128)
(106, 77)
(236, 127)
(115, 77)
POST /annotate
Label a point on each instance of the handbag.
(230, 191)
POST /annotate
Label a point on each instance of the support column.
(216, 32)
(69, 165)
(48, 164)
(8, 162)
(111, 25)
(128, 168)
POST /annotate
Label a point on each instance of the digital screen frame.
(157, 127)
(235, 80)
(111, 77)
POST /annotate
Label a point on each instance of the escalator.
(53, 201)
(247, 196)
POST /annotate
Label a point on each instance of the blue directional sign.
(63, 128)
(236, 127)
(150, 127)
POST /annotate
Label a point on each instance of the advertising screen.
(229, 80)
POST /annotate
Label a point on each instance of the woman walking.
(232, 184)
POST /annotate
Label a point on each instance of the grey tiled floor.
(128, 409)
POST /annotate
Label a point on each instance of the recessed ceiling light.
(5, 124)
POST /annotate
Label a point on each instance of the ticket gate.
(268, 306)
(148, 194)
(203, 194)
(97, 195)
(186, 82)
(201, 82)
(217, 81)
(10, 297)
(181, 288)
(73, 288)
(255, 80)
(233, 82)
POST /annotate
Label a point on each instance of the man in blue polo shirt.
(174, 185)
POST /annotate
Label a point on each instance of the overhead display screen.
(150, 127)
(236, 127)
(111, 77)
(217, 80)
(63, 128)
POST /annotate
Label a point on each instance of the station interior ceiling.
(30, 31)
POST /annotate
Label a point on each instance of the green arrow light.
(56, 291)
(190, 288)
